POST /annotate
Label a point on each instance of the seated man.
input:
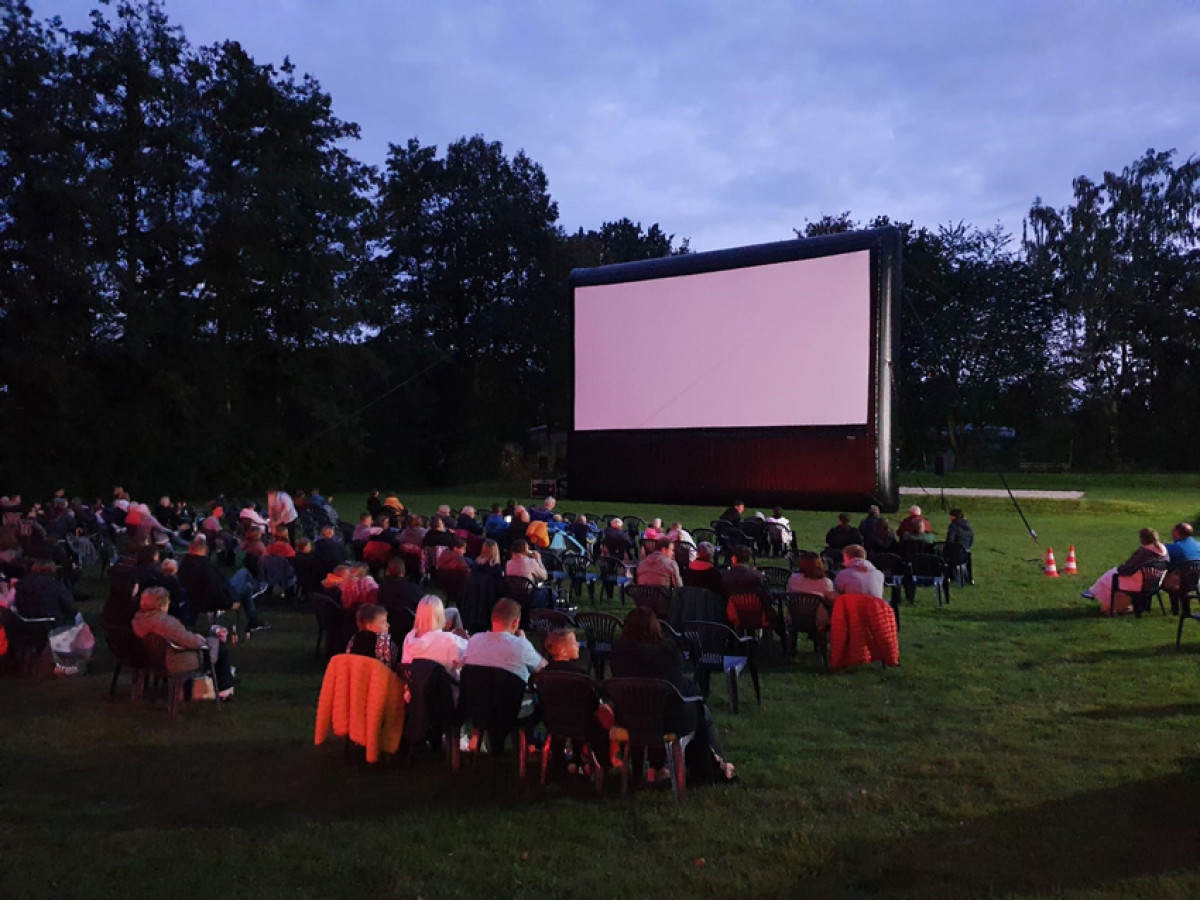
(467, 521)
(454, 559)
(505, 646)
(330, 551)
(544, 513)
(1182, 550)
(615, 541)
(743, 578)
(396, 591)
(437, 535)
(733, 514)
(843, 533)
(659, 568)
(307, 568)
(915, 526)
(858, 575)
(960, 532)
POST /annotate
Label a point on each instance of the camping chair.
(1152, 574)
(602, 631)
(490, 700)
(721, 650)
(802, 619)
(568, 702)
(635, 526)
(648, 711)
(520, 589)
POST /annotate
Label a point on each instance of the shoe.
(226, 694)
(261, 626)
(1087, 595)
(66, 670)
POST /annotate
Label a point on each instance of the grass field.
(1025, 748)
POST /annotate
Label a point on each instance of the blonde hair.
(154, 599)
(489, 553)
(431, 615)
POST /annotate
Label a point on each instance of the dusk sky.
(734, 123)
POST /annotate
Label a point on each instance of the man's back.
(742, 579)
(860, 577)
(502, 650)
(658, 570)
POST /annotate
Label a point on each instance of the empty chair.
(653, 596)
(543, 621)
(128, 650)
(724, 652)
(928, 570)
(577, 576)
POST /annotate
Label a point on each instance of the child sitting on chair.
(373, 637)
(562, 646)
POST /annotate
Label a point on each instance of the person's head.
(489, 553)
(170, 567)
(395, 567)
(218, 512)
(1148, 537)
(739, 506)
(550, 503)
(364, 519)
(198, 546)
(304, 545)
(154, 599)
(519, 548)
(851, 552)
(328, 532)
(282, 536)
(663, 544)
(873, 510)
(497, 509)
(506, 616)
(444, 509)
(742, 555)
(656, 524)
(253, 534)
(641, 626)
(459, 546)
(360, 570)
(616, 524)
(843, 518)
(883, 528)
(777, 512)
(811, 564)
(562, 645)
(704, 551)
(649, 545)
(914, 511)
(370, 617)
(272, 493)
(581, 519)
(1182, 531)
(468, 511)
(437, 523)
(431, 615)
(955, 513)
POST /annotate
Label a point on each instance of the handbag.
(203, 688)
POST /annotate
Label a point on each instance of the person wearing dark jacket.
(330, 551)
(733, 514)
(40, 595)
(207, 588)
(843, 534)
(643, 652)
(960, 532)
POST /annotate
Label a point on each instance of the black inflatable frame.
(805, 467)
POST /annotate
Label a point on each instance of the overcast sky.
(732, 123)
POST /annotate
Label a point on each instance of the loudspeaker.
(939, 464)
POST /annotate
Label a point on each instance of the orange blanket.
(862, 630)
(363, 699)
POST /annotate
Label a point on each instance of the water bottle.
(233, 635)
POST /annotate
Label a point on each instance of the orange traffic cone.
(1070, 567)
(1051, 568)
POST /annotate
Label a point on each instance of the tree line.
(202, 288)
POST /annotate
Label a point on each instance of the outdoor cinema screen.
(761, 373)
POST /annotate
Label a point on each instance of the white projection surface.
(785, 344)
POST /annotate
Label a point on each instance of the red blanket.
(862, 630)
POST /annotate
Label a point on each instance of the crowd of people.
(1152, 565)
(173, 571)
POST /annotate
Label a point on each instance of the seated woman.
(882, 538)
(373, 637)
(153, 618)
(359, 587)
(1130, 579)
(811, 579)
(429, 638)
(701, 572)
(643, 652)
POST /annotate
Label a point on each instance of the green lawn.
(1025, 748)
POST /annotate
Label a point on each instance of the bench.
(1044, 467)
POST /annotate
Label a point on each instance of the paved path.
(993, 492)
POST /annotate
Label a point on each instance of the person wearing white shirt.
(430, 640)
(525, 563)
(505, 646)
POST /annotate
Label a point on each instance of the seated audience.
(843, 533)
(658, 567)
(358, 587)
(282, 545)
(1150, 549)
(812, 579)
(396, 590)
(701, 572)
(643, 652)
(366, 528)
(496, 526)
(915, 526)
(525, 563)
(454, 559)
(881, 539)
(307, 567)
(858, 576)
(373, 637)
(330, 551)
(615, 542)
(779, 531)
(40, 595)
(1182, 550)
(867, 526)
(437, 535)
(544, 513)
(505, 646)
(467, 521)
(429, 638)
(562, 647)
(153, 618)
(733, 514)
(960, 532)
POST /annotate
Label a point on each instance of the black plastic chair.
(452, 583)
(802, 619)
(955, 558)
(704, 536)
(27, 638)
(1189, 586)
(333, 624)
(159, 653)
(634, 526)
(490, 701)
(1152, 574)
(613, 576)
(543, 621)
(577, 576)
(127, 650)
(430, 716)
(568, 701)
(602, 631)
(722, 651)
(928, 570)
(648, 712)
(651, 596)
